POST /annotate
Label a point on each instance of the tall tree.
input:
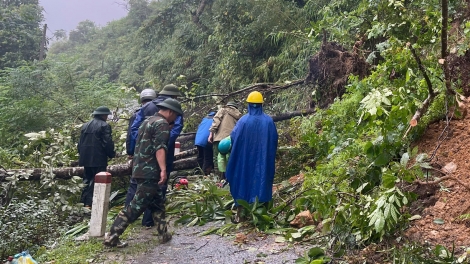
(20, 31)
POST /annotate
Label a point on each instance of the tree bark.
(261, 87)
(182, 162)
(117, 170)
(186, 153)
(195, 15)
(186, 138)
(289, 115)
(417, 116)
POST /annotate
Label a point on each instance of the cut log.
(117, 170)
(186, 153)
(289, 115)
(183, 139)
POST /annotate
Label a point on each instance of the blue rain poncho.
(203, 132)
(250, 169)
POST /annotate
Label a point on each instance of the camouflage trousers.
(148, 196)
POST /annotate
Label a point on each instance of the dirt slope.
(447, 200)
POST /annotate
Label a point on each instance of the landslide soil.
(447, 200)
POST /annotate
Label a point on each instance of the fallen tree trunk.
(117, 170)
(183, 139)
(182, 162)
(289, 115)
(186, 153)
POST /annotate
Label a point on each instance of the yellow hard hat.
(255, 98)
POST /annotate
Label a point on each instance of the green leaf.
(192, 223)
(414, 217)
(358, 190)
(414, 151)
(380, 202)
(388, 179)
(379, 224)
(405, 200)
(209, 231)
(296, 235)
(316, 252)
(421, 157)
(302, 260)
(394, 213)
(244, 203)
(373, 217)
(369, 149)
(425, 165)
(438, 221)
(387, 210)
(382, 160)
(404, 159)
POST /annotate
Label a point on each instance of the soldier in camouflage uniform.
(150, 173)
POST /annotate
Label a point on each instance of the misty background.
(66, 14)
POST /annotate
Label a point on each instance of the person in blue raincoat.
(250, 169)
(204, 148)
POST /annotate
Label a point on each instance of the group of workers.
(152, 132)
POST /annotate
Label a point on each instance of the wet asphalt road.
(187, 246)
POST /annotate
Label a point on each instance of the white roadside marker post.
(177, 147)
(99, 209)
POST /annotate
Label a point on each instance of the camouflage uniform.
(153, 135)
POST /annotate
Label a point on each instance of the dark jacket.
(96, 144)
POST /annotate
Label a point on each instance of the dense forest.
(371, 74)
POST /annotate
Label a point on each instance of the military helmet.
(102, 110)
(170, 89)
(172, 104)
(255, 98)
(231, 103)
(147, 94)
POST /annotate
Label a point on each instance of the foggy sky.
(65, 14)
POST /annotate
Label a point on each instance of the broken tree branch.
(448, 177)
(423, 71)
(417, 116)
(195, 16)
(289, 115)
(260, 86)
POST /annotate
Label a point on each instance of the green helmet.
(148, 94)
(102, 110)
(172, 104)
(231, 103)
(225, 145)
(170, 89)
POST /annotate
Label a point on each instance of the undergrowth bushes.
(27, 224)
